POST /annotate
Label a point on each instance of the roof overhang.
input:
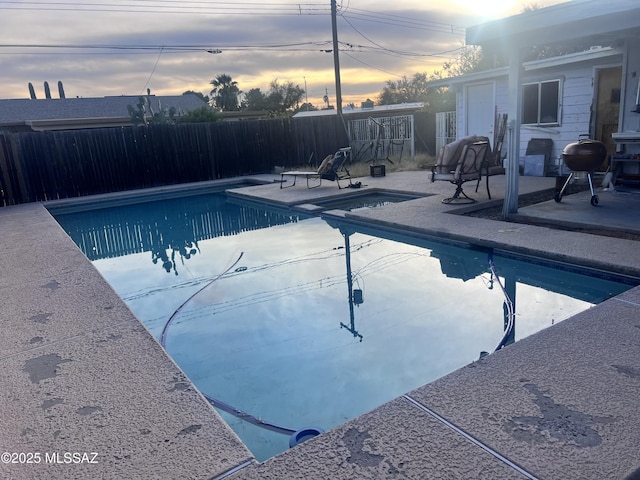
(570, 21)
(593, 54)
(470, 77)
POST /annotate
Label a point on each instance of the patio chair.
(460, 162)
(493, 164)
(332, 168)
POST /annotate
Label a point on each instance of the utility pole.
(336, 57)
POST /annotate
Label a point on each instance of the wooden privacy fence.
(40, 166)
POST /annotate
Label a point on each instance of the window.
(541, 103)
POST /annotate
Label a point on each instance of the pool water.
(367, 200)
(306, 321)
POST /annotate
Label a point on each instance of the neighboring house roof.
(236, 115)
(84, 112)
(379, 109)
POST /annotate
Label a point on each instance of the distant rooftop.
(23, 110)
(358, 110)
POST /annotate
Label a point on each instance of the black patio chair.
(460, 162)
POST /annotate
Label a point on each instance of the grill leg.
(558, 196)
(591, 184)
(594, 198)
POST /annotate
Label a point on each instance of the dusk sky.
(122, 47)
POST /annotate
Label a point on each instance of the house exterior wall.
(502, 106)
(577, 97)
(631, 78)
(577, 100)
(630, 120)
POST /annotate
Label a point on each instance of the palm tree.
(225, 93)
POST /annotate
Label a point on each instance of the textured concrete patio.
(82, 375)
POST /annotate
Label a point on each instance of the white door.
(480, 110)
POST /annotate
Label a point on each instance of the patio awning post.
(510, 205)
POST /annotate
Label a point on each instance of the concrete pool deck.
(82, 375)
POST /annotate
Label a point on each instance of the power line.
(230, 8)
(399, 53)
(316, 46)
(172, 3)
(382, 49)
(404, 21)
(378, 48)
(349, 15)
(152, 71)
(371, 66)
(171, 7)
(360, 33)
(295, 46)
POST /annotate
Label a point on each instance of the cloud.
(258, 44)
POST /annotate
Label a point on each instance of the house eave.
(593, 54)
(560, 23)
(470, 78)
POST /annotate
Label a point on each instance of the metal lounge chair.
(493, 160)
(332, 168)
(460, 162)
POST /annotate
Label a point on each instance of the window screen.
(540, 103)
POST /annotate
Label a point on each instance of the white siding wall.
(577, 100)
(502, 104)
(631, 77)
(575, 113)
(576, 104)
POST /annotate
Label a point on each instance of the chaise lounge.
(332, 168)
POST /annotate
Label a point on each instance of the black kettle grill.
(585, 155)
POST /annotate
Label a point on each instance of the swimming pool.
(306, 321)
(365, 200)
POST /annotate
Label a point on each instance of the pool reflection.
(267, 336)
(170, 230)
(355, 296)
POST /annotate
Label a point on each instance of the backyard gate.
(376, 138)
(445, 129)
